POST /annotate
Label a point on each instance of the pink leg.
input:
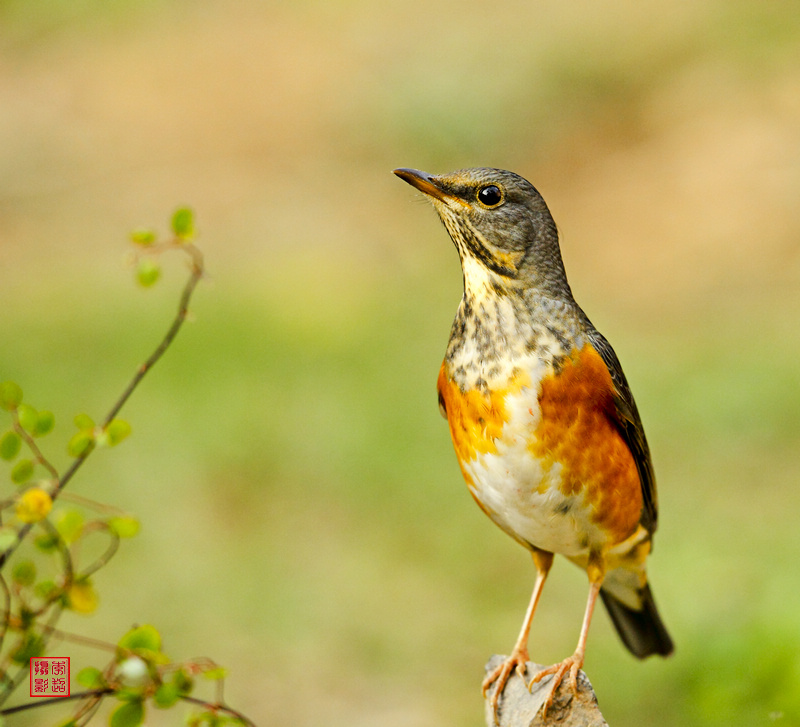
(519, 655)
(571, 663)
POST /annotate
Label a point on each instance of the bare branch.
(221, 708)
(42, 701)
(196, 274)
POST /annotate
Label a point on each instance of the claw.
(572, 664)
(501, 674)
(519, 655)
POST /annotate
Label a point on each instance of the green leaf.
(144, 637)
(210, 718)
(69, 525)
(147, 273)
(28, 417)
(84, 421)
(82, 597)
(22, 471)
(24, 573)
(47, 590)
(91, 678)
(128, 694)
(26, 618)
(216, 673)
(124, 526)
(80, 444)
(183, 223)
(166, 695)
(31, 645)
(143, 237)
(44, 423)
(116, 431)
(46, 542)
(10, 445)
(10, 395)
(8, 536)
(128, 714)
(183, 682)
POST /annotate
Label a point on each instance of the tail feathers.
(641, 630)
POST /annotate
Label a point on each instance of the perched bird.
(543, 422)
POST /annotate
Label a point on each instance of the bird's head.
(498, 222)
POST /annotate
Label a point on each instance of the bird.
(543, 422)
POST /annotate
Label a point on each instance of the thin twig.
(180, 318)
(43, 701)
(48, 630)
(6, 609)
(219, 708)
(109, 552)
(24, 671)
(31, 443)
(183, 310)
(100, 507)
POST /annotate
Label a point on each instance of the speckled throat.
(497, 330)
(505, 321)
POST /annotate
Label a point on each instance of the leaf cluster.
(44, 533)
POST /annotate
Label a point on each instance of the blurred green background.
(304, 519)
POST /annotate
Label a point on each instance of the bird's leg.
(596, 572)
(519, 654)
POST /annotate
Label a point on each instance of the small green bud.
(142, 637)
(84, 421)
(128, 714)
(10, 395)
(31, 645)
(69, 525)
(22, 471)
(183, 682)
(46, 542)
(10, 445)
(91, 678)
(117, 430)
(24, 573)
(47, 590)
(143, 237)
(148, 273)
(124, 527)
(183, 223)
(28, 417)
(45, 422)
(166, 695)
(80, 444)
(216, 673)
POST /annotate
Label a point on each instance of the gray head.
(499, 223)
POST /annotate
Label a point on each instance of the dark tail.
(642, 631)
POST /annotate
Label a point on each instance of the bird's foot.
(501, 674)
(571, 664)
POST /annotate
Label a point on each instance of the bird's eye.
(490, 195)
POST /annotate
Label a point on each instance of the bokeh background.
(304, 520)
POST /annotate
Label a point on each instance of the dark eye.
(490, 195)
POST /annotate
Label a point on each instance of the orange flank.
(577, 430)
(543, 423)
(476, 419)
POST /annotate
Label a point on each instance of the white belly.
(523, 496)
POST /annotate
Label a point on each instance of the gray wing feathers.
(630, 426)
